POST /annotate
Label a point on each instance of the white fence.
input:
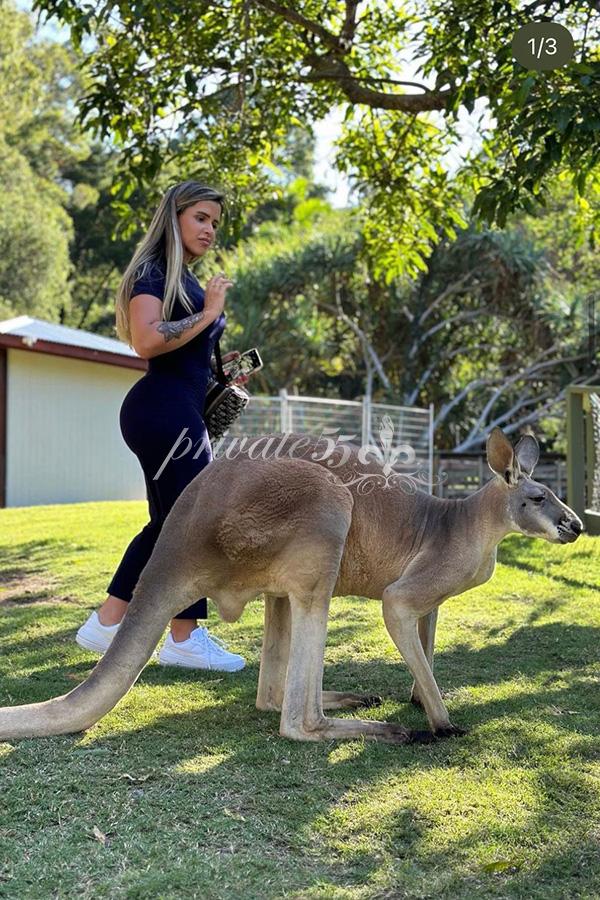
(403, 434)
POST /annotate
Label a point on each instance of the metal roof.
(37, 329)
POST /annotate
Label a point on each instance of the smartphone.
(248, 362)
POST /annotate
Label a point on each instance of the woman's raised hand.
(214, 294)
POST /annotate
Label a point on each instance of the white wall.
(63, 441)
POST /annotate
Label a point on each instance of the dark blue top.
(189, 364)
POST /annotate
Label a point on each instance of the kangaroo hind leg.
(274, 663)
(275, 653)
(426, 625)
(302, 716)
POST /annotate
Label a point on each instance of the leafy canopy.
(216, 85)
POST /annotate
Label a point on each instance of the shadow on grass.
(24, 573)
(264, 803)
(513, 553)
(261, 801)
(29, 557)
(558, 651)
(563, 863)
(266, 794)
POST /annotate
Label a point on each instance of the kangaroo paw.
(450, 731)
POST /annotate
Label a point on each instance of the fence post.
(559, 480)
(437, 462)
(284, 414)
(575, 453)
(366, 420)
(430, 441)
(590, 448)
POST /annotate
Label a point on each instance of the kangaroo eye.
(538, 499)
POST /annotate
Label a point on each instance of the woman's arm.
(150, 336)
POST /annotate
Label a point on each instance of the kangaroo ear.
(527, 452)
(500, 456)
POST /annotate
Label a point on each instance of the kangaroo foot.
(450, 731)
(347, 729)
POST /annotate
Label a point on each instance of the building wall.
(63, 441)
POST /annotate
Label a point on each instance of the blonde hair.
(161, 242)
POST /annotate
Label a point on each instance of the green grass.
(186, 790)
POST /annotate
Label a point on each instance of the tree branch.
(95, 295)
(331, 67)
(461, 316)
(516, 407)
(296, 18)
(411, 398)
(451, 289)
(476, 382)
(525, 374)
(349, 27)
(367, 346)
(369, 78)
(535, 415)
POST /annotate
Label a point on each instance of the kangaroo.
(301, 529)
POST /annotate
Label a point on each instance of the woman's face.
(198, 225)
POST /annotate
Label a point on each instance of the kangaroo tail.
(115, 673)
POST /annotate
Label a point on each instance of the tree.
(99, 254)
(491, 334)
(496, 338)
(217, 86)
(37, 139)
(282, 278)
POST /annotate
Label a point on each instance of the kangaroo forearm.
(166, 336)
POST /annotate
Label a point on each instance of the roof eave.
(71, 351)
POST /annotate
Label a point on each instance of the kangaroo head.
(532, 508)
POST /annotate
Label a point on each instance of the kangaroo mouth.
(566, 536)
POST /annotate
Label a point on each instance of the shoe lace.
(218, 645)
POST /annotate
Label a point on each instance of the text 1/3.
(546, 45)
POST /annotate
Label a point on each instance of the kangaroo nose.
(576, 526)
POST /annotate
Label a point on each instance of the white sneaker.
(94, 636)
(200, 651)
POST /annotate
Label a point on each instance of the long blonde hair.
(161, 242)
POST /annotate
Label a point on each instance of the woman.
(163, 313)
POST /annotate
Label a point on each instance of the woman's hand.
(229, 357)
(214, 294)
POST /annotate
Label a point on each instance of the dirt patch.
(17, 590)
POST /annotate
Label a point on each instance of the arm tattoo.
(173, 330)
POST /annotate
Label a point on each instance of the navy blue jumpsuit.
(166, 400)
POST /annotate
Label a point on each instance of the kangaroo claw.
(450, 731)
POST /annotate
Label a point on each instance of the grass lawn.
(186, 790)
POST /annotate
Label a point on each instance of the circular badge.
(543, 46)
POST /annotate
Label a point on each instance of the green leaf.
(501, 865)
(523, 92)
(561, 117)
